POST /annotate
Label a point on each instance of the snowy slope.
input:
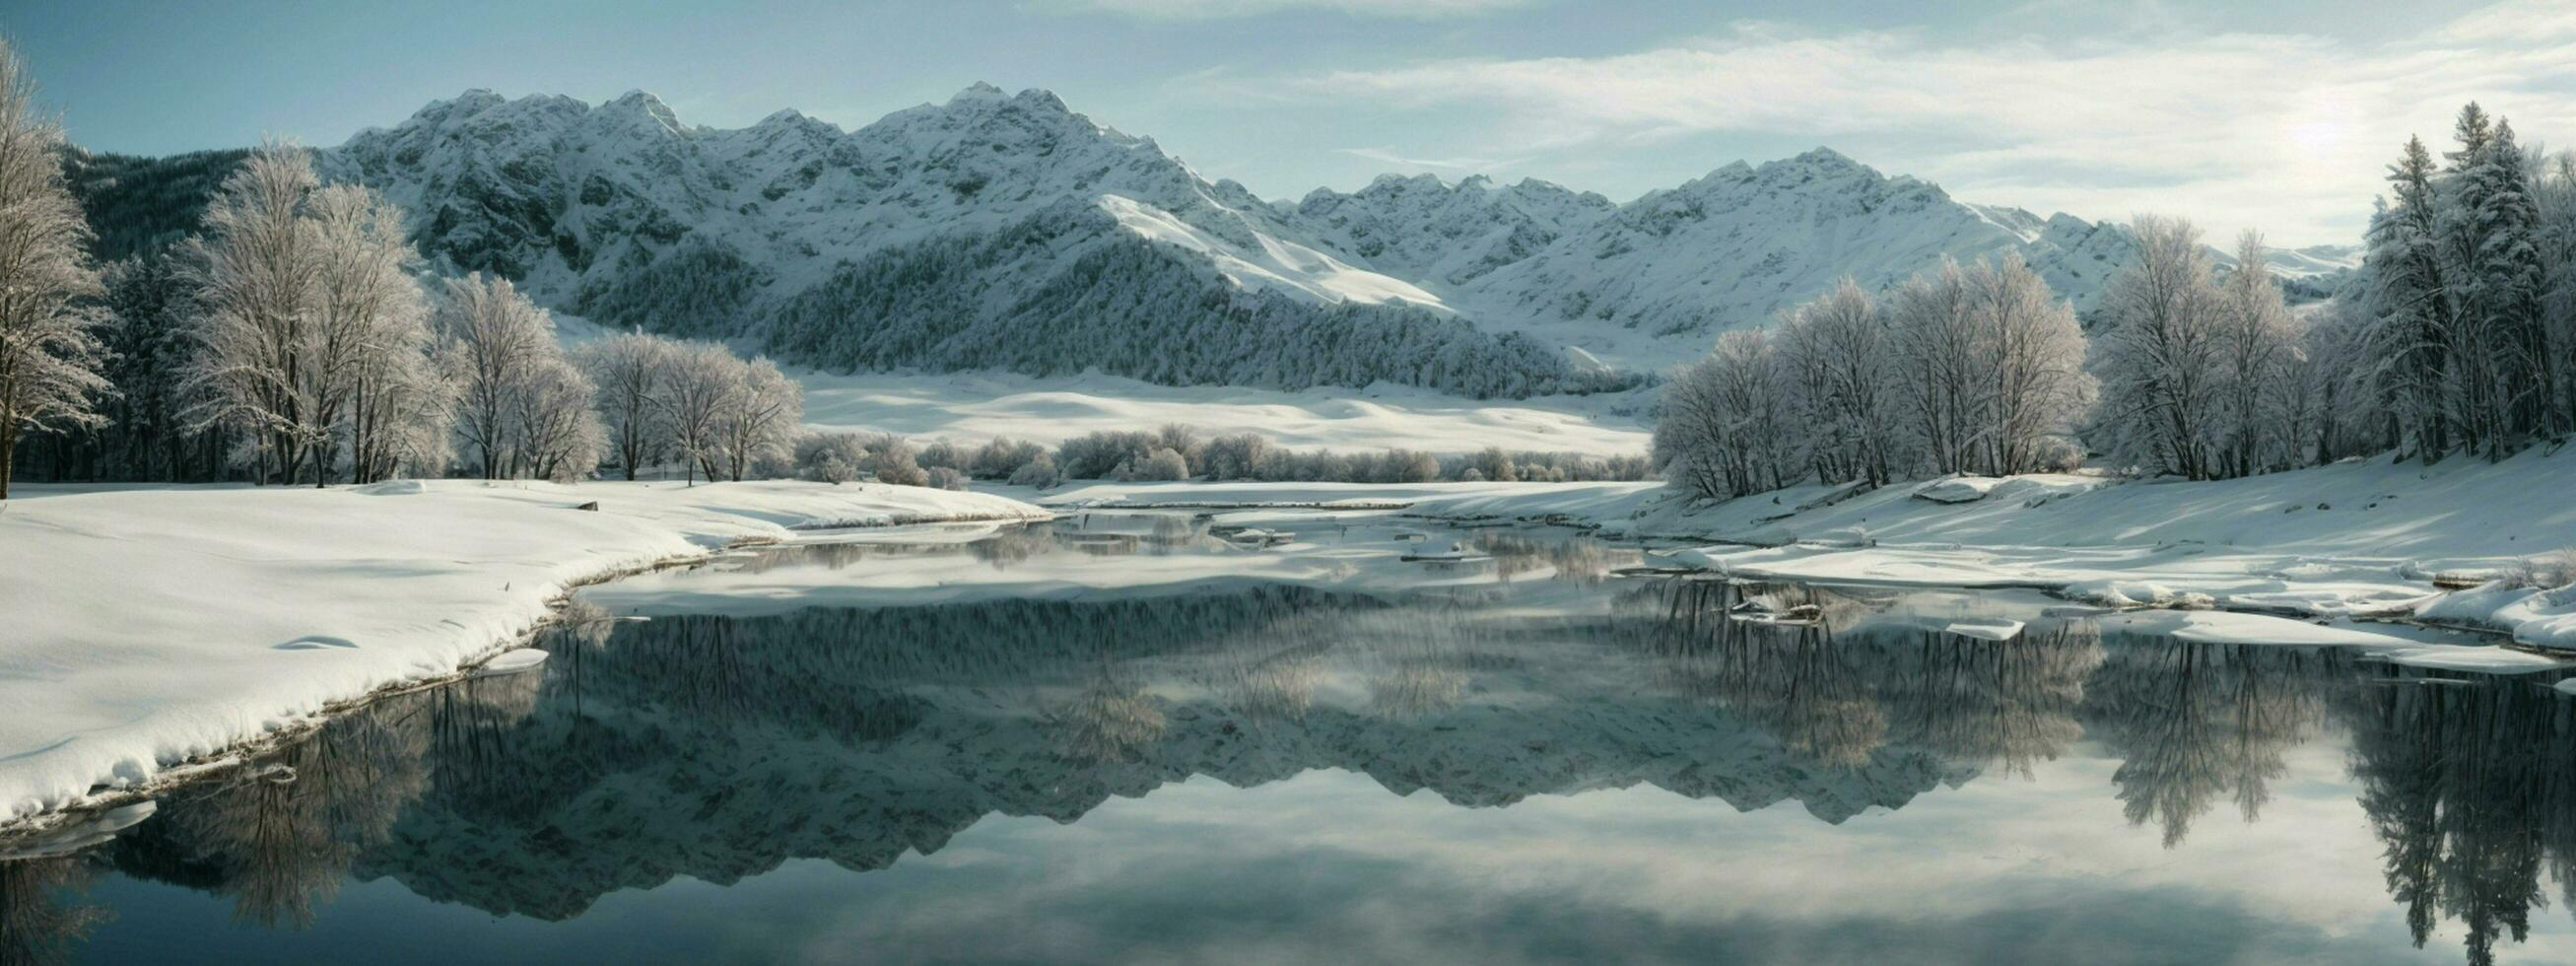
(971, 407)
(1423, 228)
(1671, 270)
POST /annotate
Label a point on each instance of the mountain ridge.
(779, 234)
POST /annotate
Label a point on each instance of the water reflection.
(718, 748)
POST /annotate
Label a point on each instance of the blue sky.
(2277, 118)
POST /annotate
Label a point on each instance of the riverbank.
(2356, 539)
(153, 628)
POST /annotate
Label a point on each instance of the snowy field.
(972, 407)
(2355, 539)
(151, 626)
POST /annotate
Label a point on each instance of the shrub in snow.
(2557, 568)
(1039, 472)
(1165, 464)
(944, 478)
(895, 465)
(831, 468)
(1003, 457)
(1098, 455)
(941, 452)
(1234, 457)
(1494, 464)
(814, 451)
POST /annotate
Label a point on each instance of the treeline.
(2458, 336)
(1178, 452)
(294, 337)
(1975, 369)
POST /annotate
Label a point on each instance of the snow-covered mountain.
(1420, 227)
(1733, 248)
(993, 230)
(1008, 231)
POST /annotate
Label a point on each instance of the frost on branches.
(49, 346)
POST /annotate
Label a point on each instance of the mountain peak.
(1043, 99)
(638, 102)
(978, 91)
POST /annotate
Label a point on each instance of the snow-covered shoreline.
(150, 629)
(2354, 539)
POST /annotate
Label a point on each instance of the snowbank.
(2358, 539)
(143, 627)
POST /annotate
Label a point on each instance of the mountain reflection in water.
(721, 748)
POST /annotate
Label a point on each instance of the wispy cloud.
(2286, 132)
(1223, 9)
(1388, 156)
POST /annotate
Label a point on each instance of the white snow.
(150, 626)
(973, 407)
(2355, 539)
(1279, 265)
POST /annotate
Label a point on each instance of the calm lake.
(1272, 737)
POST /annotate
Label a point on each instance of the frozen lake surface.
(1268, 737)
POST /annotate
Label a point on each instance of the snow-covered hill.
(1007, 231)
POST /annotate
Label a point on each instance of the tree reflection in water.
(719, 747)
(2471, 787)
(41, 921)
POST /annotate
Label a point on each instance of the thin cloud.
(2285, 132)
(1227, 9)
(1388, 156)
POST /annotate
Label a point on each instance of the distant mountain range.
(1007, 231)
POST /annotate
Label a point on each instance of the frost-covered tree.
(895, 463)
(1002, 458)
(630, 370)
(252, 270)
(1233, 457)
(2467, 283)
(1164, 463)
(493, 339)
(1840, 354)
(522, 410)
(2327, 392)
(697, 387)
(310, 329)
(1039, 472)
(759, 416)
(49, 346)
(2037, 349)
(1992, 380)
(2488, 228)
(554, 432)
(2412, 333)
(2554, 201)
(1723, 432)
(1946, 382)
(368, 377)
(2160, 355)
(2259, 346)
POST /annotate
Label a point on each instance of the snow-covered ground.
(146, 627)
(972, 407)
(2353, 539)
